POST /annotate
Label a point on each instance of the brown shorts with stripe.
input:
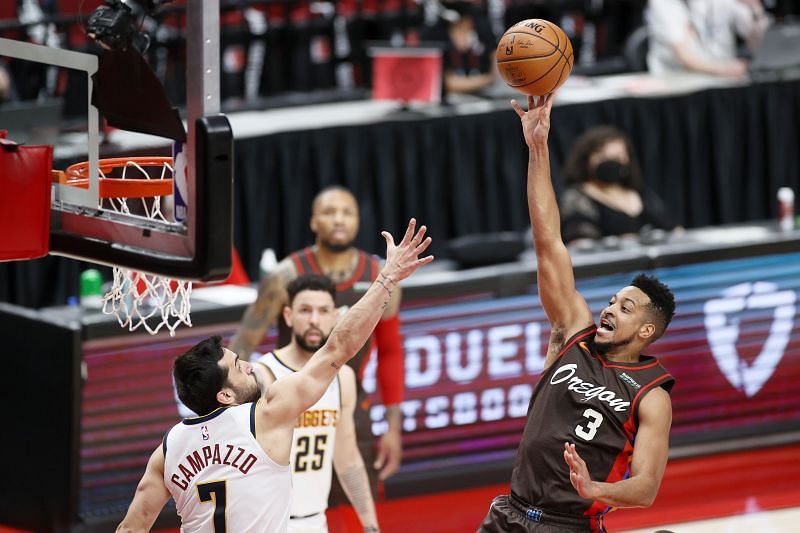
(506, 515)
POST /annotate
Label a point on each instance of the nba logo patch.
(204, 432)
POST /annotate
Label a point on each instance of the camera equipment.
(114, 25)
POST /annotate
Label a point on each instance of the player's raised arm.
(290, 396)
(566, 309)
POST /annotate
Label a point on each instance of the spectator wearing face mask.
(605, 195)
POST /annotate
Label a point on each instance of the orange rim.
(77, 175)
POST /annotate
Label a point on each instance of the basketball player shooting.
(228, 469)
(597, 395)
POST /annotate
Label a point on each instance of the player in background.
(335, 222)
(325, 435)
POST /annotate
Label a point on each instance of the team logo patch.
(722, 319)
(204, 432)
(629, 380)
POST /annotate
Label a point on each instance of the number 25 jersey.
(591, 402)
(312, 445)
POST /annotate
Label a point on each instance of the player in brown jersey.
(597, 430)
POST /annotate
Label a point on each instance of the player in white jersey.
(228, 470)
(325, 434)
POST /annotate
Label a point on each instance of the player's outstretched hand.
(578, 473)
(403, 259)
(536, 121)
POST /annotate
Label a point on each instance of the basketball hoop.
(136, 186)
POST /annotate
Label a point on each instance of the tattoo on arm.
(335, 365)
(354, 481)
(259, 316)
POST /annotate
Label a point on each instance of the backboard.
(195, 245)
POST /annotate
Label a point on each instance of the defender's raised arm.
(291, 396)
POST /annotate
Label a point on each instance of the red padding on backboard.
(24, 200)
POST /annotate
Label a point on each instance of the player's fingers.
(412, 224)
(517, 108)
(421, 247)
(391, 467)
(532, 102)
(548, 105)
(389, 238)
(568, 459)
(380, 460)
(419, 235)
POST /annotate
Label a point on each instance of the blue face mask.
(612, 171)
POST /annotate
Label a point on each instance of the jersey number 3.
(590, 430)
(215, 491)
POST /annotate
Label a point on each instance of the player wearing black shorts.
(597, 430)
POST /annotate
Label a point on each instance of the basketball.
(535, 57)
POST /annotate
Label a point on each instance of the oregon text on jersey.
(212, 455)
(586, 388)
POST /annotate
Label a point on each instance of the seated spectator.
(701, 35)
(469, 46)
(605, 195)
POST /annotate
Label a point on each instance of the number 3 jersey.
(221, 478)
(586, 400)
(312, 445)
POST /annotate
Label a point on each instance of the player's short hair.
(331, 188)
(662, 301)
(199, 376)
(310, 282)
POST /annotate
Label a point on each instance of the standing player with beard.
(597, 395)
(324, 435)
(228, 469)
(334, 221)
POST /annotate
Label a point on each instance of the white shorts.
(317, 523)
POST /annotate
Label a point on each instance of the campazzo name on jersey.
(201, 458)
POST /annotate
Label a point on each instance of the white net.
(139, 299)
(147, 300)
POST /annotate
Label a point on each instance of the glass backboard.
(194, 239)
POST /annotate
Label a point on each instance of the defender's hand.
(390, 454)
(403, 259)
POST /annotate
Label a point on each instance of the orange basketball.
(535, 57)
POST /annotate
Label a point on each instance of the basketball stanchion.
(138, 186)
